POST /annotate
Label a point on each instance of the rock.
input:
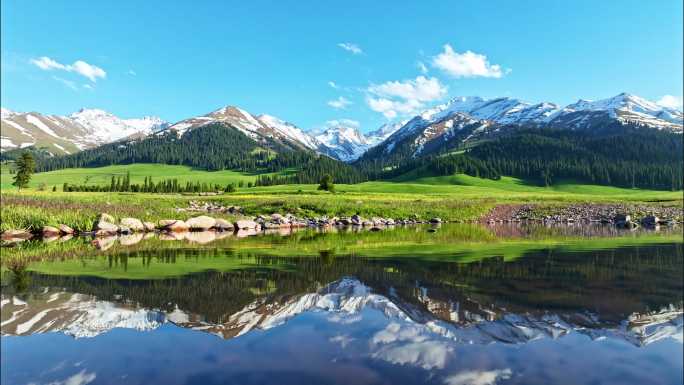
(277, 218)
(50, 231)
(105, 228)
(202, 223)
(173, 225)
(436, 220)
(344, 222)
(104, 225)
(623, 220)
(245, 224)
(356, 220)
(223, 225)
(64, 229)
(149, 226)
(134, 224)
(16, 235)
(104, 217)
(650, 221)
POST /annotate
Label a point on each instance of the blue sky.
(310, 62)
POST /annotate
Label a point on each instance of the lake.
(465, 304)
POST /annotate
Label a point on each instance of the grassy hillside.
(103, 175)
(458, 186)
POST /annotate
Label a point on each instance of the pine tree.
(25, 167)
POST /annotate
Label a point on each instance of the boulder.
(246, 224)
(356, 220)
(344, 222)
(277, 218)
(201, 223)
(16, 235)
(436, 220)
(105, 228)
(173, 225)
(223, 225)
(134, 224)
(104, 225)
(64, 229)
(50, 231)
(650, 221)
(104, 217)
(623, 220)
(149, 226)
(125, 230)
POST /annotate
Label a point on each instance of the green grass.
(103, 175)
(454, 198)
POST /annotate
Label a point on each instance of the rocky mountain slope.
(464, 118)
(61, 135)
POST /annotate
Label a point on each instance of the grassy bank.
(454, 198)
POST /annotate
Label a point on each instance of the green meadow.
(454, 198)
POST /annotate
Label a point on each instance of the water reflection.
(611, 315)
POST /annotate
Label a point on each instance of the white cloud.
(66, 82)
(473, 377)
(339, 103)
(132, 73)
(88, 86)
(45, 63)
(80, 378)
(80, 67)
(342, 123)
(466, 65)
(351, 47)
(670, 101)
(333, 84)
(422, 67)
(406, 97)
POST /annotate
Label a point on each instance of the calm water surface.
(465, 305)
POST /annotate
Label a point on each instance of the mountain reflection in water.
(386, 320)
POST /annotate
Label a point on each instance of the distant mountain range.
(60, 135)
(460, 119)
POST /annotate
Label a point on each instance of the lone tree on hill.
(327, 183)
(25, 167)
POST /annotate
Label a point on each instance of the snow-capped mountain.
(259, 128)
(623, 108)
(339, 142)
(86, 128)
(343, 143)
(467, 116)
(462, 321)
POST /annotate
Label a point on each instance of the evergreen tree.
(326, 183)
(25, 167)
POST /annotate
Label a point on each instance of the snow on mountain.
(624, 108)
(289, 131)
(383, 132)
(108, 128)
(343, 143)
(68, 134)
